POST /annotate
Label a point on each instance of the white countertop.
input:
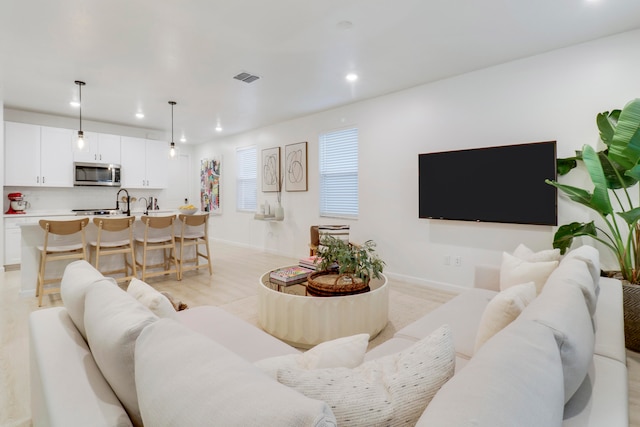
(49, 213)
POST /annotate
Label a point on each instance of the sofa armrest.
(487, 277)
(67, 387)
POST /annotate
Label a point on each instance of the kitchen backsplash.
(44, 199)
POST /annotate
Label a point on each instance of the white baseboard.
(449, 287)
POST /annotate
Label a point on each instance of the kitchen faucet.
(128, 211)
(146, 205)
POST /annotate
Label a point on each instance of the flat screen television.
(496, 184)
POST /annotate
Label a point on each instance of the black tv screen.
(496, 184)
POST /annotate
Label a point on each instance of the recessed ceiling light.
(140, 115)
(218, 128)
(344, 25)
(352, 77)
(183, 139)
(74, 104)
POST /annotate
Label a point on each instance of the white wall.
(553, 96)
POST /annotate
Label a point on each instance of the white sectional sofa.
(561, 362)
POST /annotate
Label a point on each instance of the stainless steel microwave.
(96, 174)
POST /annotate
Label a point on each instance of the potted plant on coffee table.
(613, 172)
(344, 268)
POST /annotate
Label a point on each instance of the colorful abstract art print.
(210, 186)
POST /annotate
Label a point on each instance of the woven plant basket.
(328, 283)
(631, 305)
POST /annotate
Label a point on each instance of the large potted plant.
(344, 268)
(613, 172)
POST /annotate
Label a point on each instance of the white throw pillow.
(515, 379)
(390, 391)
(76, 279)
(564, 310)
(114, 320)
(346, 352)
(527, 254)
(503, 309)
(152, 299)
(515, 271)
(186, 379)
(576, 272)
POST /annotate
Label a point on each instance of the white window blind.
(339, 173)
(246, 187)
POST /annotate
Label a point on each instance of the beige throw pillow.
(503, 309)
(346, 352)
(390, 391)
(114, 320)
(515, 271)
(527, 254)
(210, 385)
(150, 298)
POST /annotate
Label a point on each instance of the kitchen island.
(32, 235)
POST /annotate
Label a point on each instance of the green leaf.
(606, 125)
(565, 165)
(621, 179)
(600, 199)
(564, 236)
(625, 143)
(630, 217)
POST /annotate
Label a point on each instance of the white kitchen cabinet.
(12, 243)
(56, 157)
(144, 163)
(98, 148)
(37, 156)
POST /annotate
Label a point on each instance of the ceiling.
(138, 55)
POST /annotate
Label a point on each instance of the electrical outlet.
(457, 261)
(447, 260)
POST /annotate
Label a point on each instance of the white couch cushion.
(225, 328)
(609, 318)
(114, 320)
(76, 279)
(67, 387)
(596, 403)
(524, 253)
(515, 379)
(150, 298)
(575, 272)
(590, 256)
(564, 311)
(186, 379)
(390, 391)
(456, 313)
(345, 352)
(503, 309)
(514, 271)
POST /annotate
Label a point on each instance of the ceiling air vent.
(246, 77)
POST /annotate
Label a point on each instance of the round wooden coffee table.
(304, 321)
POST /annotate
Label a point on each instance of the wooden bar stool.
(158, 235)
(115, 236)
(59, 244)
(194, 232)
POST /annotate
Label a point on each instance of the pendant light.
(80, 133)
(172, 149)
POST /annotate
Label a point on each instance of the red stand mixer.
(17, 204)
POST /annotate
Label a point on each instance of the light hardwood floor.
(233, 287)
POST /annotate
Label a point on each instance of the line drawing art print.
(295, 167)
(271, 169)
(210, 186)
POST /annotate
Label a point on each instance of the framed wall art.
(271, 169)
(210, 186)
(295, 167)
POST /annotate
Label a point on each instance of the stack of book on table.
(310, 262)
(290, 275)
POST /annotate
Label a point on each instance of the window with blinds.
(339, 173)
(246, 178)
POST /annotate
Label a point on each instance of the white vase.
(279, 212)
